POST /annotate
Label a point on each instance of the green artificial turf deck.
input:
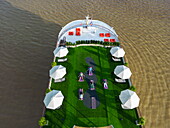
(73, 111)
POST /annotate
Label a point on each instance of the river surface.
(28, 32)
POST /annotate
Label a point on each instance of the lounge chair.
(120, 80)
(59, 80)
(101, 34)
(77, 29)
(107, 34)
(93, 102)
(116, 59)
(106, 40)
(124, 107)
(70, 33)
(112, 40)
(78, 33)
(136, 122)
(62, 60)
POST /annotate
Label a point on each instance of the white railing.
(100, 45)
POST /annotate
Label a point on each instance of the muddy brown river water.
(29, 29)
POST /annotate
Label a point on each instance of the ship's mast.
(88, 19)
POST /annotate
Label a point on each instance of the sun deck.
(90, 33)
(88, 30)
(74, 111)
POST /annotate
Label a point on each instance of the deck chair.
(120, 80)
(124, 106)
(62, 60)
(136, 122)
(59, 80)
(116, 59)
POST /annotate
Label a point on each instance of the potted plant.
(132, 88)
(43, 121)
(53, 64)
(141, 121)
(48, 90)
(126, 64)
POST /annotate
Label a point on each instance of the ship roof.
(91, 32)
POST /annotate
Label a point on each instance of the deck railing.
(139, 114)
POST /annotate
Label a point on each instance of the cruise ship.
(89, 84)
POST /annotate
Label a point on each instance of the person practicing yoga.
(81, 93)
(105, 83)
(92, 85)
(81, 77)
(90, 70)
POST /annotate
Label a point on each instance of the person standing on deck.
(81, 77)
(92, 85)
(90, 70)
